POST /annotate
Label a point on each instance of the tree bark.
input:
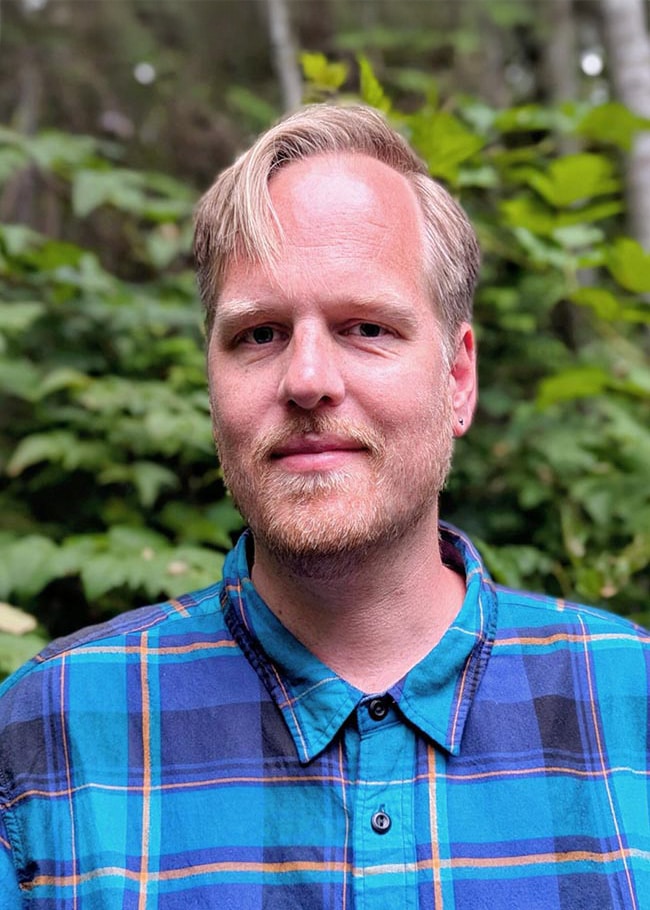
(626, 35)
(285, 57)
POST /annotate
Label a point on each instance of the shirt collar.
(435, 695)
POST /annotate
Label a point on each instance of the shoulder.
(102, 646)
(526, 609)
(587, 642)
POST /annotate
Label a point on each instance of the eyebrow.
(231, 314)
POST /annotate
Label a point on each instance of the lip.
(316, 445)
(304, 453)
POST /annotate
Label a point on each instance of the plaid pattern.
(167, 760)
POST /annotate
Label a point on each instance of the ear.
(464, 383)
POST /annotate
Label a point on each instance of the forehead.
(344, 188)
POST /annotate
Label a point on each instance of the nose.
(312, 375)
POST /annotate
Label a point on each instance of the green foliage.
(105, 424)
(109, 490)
(324, 78)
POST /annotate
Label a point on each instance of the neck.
(369, 618)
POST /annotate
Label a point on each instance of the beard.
(322, 524)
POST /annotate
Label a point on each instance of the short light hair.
(235, 217)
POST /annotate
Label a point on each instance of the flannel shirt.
(194, 755)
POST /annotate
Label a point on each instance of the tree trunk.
(626, 35)
(284, 52)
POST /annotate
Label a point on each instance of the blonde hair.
(235, 217)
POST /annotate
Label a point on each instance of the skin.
(334, 411)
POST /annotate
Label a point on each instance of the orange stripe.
(135, 649)
(323, 778)
(433, 827)
(461, 862)
(178, 606)
(146, 775)
(548, 769)
(603, 765)
(347, 821)
(570, 637)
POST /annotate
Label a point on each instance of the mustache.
(318, 425)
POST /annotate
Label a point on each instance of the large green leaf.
(630, 265)
(322, 73)
(612, 123)
(27, 564)
(579, 382)
(572, 179)
(58, 446)
(444, 142)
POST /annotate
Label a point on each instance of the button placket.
(382, 830)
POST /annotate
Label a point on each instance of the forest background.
(116, 114)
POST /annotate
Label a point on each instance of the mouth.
(316, 453)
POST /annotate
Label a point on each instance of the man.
(356, 717)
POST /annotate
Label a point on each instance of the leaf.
(19, 378)
(18, 315)
(18, 239)
(579, 382)
(15, 650)
(27, 565)
(604, 304)
(148, 478)
(444, 142)
(612, 123)
(510, 565)
(321, 73)
(59, 151)
(60, 447)
(629, 264)
(93, 188)
(588, 213)
(62, 378)
(156, 197)
(524, 119)
(572, 179)
(371, 91)
(213, 525)
(530, 214)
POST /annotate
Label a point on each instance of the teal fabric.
(193, 754)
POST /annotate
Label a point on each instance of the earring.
(461, 421)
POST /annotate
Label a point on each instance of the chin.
(322, 540)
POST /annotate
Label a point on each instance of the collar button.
(378, 707)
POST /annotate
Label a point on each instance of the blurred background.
(116, 114)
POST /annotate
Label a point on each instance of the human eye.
(259, 335)
(368, 330)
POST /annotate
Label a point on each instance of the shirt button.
(380, 822)
(378, 707)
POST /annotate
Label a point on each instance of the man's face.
(334, 408)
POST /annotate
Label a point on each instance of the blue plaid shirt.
(194, 755)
